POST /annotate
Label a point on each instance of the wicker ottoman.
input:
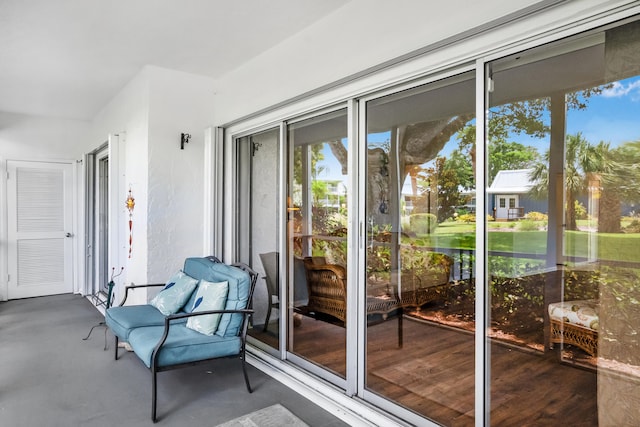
(576, 323)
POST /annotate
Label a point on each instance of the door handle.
(68, 235)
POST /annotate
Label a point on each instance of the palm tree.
(620, 180)
(601, 177)
(580, 158)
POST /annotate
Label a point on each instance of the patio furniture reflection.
(270, 265)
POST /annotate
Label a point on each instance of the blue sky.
(613, 116)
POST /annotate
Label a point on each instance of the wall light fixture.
(184, 139)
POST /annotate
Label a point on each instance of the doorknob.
(68, 235)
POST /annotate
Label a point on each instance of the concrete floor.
(49, 376)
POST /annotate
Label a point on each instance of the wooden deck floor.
(433, 374)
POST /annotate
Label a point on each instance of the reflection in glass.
(420, 249)
(563, 258)
(317, 239)
(258, 229)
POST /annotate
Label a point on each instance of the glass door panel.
(563, 276)
(420, 249)
(258, 169)
(317, 240)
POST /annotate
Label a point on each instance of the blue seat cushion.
(183, 345)
(122, 320)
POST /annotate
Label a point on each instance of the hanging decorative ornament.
(131, 203)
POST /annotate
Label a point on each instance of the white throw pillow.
(175, 294)
(209, 296)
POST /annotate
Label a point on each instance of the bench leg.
(154, 387)
(116, 347)
(244, 371)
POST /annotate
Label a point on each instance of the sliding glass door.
(521, 309)
(420, 217)
(317, 241)
(564, 266)
(258, 169)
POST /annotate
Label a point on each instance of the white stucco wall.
(127, 115)
(151, 112)
(179, 103)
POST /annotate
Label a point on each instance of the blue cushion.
(121, 320)
(239, 284)
(237, 298)
(183, 345)
(209, 296)
(175, 294)
(201, 269)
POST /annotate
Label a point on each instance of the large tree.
(619, 180)
(441, 190)
(412, 145)
(461, 165)
(505, 155)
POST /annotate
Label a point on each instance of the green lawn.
(507, 238)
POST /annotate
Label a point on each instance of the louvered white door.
(39, 199)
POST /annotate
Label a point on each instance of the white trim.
(229, 207)
(551, 31)
(212, 225)
(4, 259)
(400, 412)
(87, 249)
(117, 219)
(283, 216)
(316, 370)
(91, 249)
(78, 227)
(354, 284)
(218, 188)
(360, 199)
(482, 357)
(208, 194)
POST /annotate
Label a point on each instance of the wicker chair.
(426, 282)
(327, 284)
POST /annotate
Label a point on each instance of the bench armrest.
(126, 289)
(171, 317)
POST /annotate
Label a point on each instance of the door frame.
(93, 194)
(113, 150)
(4, 230)
(4, 259)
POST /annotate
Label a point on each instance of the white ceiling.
(68, 58)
